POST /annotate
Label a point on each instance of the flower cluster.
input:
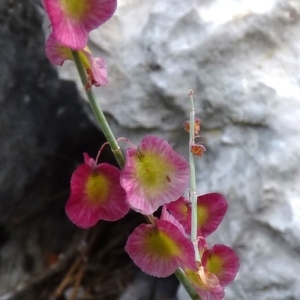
(154, 176)
(219, 264)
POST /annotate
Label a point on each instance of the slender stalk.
(192, 192)
(187, 284)
(98, 112)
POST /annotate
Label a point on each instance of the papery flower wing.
(154, 174)
(223, 262)
(180, 209)
(206, 284)
(56, 53)
(165, 215)
(216, 293)
(211, 209)
(95, 194)
(160, 249)
(97, 67)
(72, 20)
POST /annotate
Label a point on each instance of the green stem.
(192, 192)
(98, 112)
(187, 284)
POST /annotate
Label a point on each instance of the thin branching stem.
(98, 112)
(192, 192)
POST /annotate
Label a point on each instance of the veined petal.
(95, 67)
(159, 249)
(211, 209)
(206, 284)
(72, 20)
(56, 53)
(95, 194)
(154, 174)
(180, 209)
(165, 215)
(221, 261)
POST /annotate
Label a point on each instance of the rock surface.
(241, 58)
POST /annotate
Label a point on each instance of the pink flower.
(206, 284)
(160, 249)
(154, 174)
(95, 67)
(223, 262)
(96, 194)
(219, 266)
(211, 209)
(165, 215)
(72, 20)
(181, 210)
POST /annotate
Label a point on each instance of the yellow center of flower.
(161, 244)
(202, 215)
(75, 9)
(97, 188)
(64, 52)
(215, 264)
(184, 209)
(153, 172)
